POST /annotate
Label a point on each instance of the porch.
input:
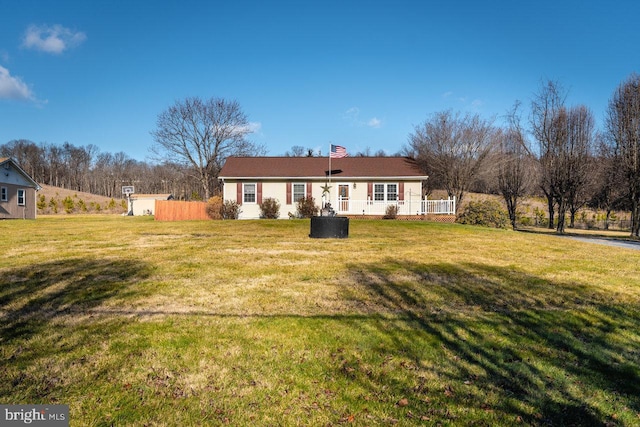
(349, 207)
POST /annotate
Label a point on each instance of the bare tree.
(55, 165)
(28, 155)
(513, 164)
(565, 138)
(581, 137)
(296, 151)
(78, 162)
(367, 152)
(84, 168)
(202, 134)
(451, 149)
(546, 109)
(610, 188)
(363, 153)
(300, 151)
(623, 126)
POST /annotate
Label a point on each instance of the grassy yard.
(136, 322)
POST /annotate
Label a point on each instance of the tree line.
(86, 169)
(563, 157)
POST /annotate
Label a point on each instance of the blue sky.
(358, 74)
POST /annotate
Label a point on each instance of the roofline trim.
(22, 172)
(273, 178)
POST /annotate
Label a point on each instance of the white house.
(356, 185)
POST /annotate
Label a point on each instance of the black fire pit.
(329, 227)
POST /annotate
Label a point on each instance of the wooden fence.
(174, 210)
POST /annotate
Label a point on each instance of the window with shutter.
(249, 193)
(298, 191)
(385, 192)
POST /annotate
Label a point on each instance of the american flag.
(337, 152)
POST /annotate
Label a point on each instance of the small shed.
(17, 191)
(145, 204)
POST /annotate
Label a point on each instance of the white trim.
(324, 177)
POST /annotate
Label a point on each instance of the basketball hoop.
(128, 190)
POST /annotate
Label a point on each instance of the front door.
(343, 198)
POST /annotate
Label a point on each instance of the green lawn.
(136, 322)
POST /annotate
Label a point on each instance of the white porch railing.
(347, 206)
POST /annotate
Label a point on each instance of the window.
(299, 191)
(248, 193)
(378, 192)
(385, 192)
(21, 198)
(392, 192)
(3, 194)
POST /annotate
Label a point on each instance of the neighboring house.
(145, 204)
(17, 191)
(357, 185)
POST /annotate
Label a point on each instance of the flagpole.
(329, 194)
(329, 162)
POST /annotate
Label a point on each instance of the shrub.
(230, 210)
(306, 207)
(214, 207)
(82, 206)
(525, 221)
(68, 204)
(42, 203)
(541, 217)
(270, 208)
(53, 204)
(391, 212)
(486, 213)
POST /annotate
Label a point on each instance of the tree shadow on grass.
(44, 326)
(32, 297)
(538, 347)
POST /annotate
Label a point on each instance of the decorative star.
(325, 188)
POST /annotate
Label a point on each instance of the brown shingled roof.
(318, 167)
